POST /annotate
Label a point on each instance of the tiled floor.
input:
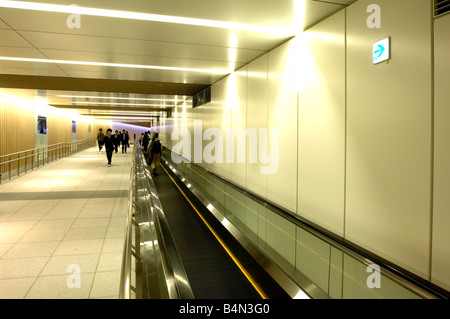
(62, 228)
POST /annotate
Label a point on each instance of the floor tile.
(86, 233)
(113, 245)
(28, 250)
(91, 222)
(36, 235)
(15, 288)
(79, 247)
(58, 265)
(110, 262)
(16, 225)
(115, 232)
(106, 284)
(22, 216)
(61, 287)
(11, 237)
(21, 267)
(8, 209)
(39, 202)
(54, 224)
(4, 248)
(95, 213)
(31, 208)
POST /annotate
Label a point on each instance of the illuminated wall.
(22, 114)
(356, 140)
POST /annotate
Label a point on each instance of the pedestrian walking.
(156, 150)
(100, 136)
(108, 141)
(125, 141)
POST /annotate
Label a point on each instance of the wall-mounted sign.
(381, 51)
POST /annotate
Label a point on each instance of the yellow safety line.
(246, 274)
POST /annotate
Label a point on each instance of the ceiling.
(137, 63)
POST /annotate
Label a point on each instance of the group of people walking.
(149, 142)
(112, 142)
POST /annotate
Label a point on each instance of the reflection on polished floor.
(62, 220)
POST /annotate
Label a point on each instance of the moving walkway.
(195, 235)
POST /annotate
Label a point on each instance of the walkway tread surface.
(211, 272)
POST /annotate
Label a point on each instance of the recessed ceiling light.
(117, 65)
(119, 98)
(122, 104)
(143, 16)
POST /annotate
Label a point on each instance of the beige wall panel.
(17, 127)
(282, 117)
(389, 133)
(197, 134)
(216, 109)
(206, 123)
(180, 122)
(231, 93)
(320, 80)
(190, 127)
(18, 122)
(257, 118)
(25, 129)
(166, 130)
(220, 119)
(59, 127)
(441, 214)
(3, 131)
(239, 122)
(82, 129)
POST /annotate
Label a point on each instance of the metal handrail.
(395, 274)
(162, 272)
(125, 275)
(38, 154)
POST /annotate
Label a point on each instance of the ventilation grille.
(441, 7)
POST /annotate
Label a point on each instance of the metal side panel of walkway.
(62, 228)
(211, 271)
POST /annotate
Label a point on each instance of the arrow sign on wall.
(381, 51)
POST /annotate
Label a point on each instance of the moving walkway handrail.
(125, 274)
(174, 284)
(394, 273)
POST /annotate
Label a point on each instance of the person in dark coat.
(116, 141)
(100, 137)
(108, 141)
(125, 141)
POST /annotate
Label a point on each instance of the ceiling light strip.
(118, 98)
(121, 104)
(141, 16)
(116, 65)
